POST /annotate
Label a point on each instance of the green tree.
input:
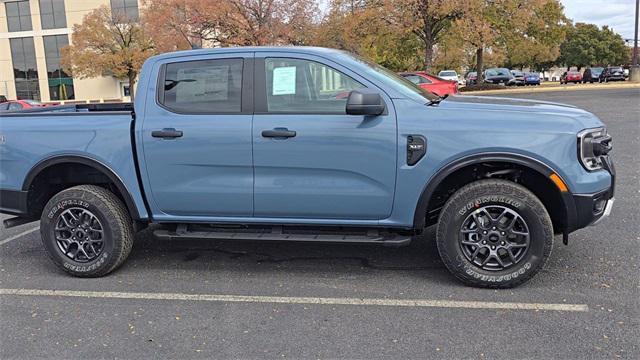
(539, 41)
(586, 45)
(512, 32)
(483, 24)
(359, 26)
(429, 20)
(107, 44)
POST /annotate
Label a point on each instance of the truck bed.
(93, 132)
(83, 108)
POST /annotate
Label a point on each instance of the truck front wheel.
(86, 230)
(494, 234)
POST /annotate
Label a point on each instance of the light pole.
(634, 72)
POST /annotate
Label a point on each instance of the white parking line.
(17, 236)
(298, 300)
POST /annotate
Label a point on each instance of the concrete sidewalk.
(557, 87)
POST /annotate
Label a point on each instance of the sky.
(618, 14)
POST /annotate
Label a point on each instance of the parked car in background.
(450, 75)
(472, 78)
(531, 79)
(497, 76)
(14, 105)
(591, 74)
(612, 73)
(518, 78)
(571, 76)
(435, 84)
(626, 73)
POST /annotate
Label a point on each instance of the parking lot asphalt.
(288, 300)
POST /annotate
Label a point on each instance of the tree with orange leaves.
(504, 25)
(429, 20)
(106, 43)
(182, 24)
(186, 24)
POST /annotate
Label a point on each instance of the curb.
(532, 89)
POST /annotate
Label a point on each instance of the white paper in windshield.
(284, 81)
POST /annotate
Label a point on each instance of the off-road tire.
(118, 232)
(502, 193)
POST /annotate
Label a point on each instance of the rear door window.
(203, 86)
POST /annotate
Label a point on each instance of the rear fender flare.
(77, 159)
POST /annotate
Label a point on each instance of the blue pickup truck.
(305, 144)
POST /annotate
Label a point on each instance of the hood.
(522, 109)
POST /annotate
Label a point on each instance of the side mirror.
(365, 102)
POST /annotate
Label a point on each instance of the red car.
(13, 105)
(436, 85)
(571, 76)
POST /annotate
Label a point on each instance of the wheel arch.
(565, 199)
(50, 162)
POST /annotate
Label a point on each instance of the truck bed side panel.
(102, 137)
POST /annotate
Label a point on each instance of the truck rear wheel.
(494, 234)
(87, 231)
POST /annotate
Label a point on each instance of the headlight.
(592, 145)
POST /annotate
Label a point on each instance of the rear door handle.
(169, 133)
(278, 133)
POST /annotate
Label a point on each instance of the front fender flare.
(419, 219)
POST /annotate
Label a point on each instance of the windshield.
(33, 102)
(447, 73)
(517, 73)
(597, 70)
(498, 72)
(388, 77)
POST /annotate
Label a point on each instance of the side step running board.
(276, 234)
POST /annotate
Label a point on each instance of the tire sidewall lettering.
(86, 268)
(502, 199)
(61, 205)
(498, 278)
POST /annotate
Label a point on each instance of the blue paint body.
(338, 170)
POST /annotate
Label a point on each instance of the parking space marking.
(17, 236)
(298, 300)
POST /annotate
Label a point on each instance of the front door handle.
(278, 133)
(169, 133)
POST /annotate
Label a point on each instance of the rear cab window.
(202, 86)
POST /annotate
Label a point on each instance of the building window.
(52, 14)
(25, 71)
(126, 90)
(127, 9)
(60, 83)
(18, 16)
